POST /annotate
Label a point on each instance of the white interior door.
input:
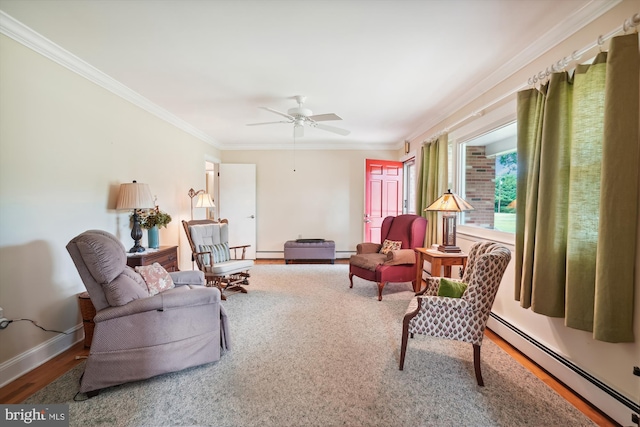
(237, 203)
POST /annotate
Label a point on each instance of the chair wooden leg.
(405, 338)
(476, 364)
(405, 332)
(351, 280)
(380, 286)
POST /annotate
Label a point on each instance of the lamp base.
(137, 248)
(449, 249)
(136, 234)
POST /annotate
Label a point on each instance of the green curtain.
(432, 183)
(577, 194)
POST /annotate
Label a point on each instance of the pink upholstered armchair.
(463, 319)
(397, 265)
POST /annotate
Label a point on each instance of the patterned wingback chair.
(463, 319)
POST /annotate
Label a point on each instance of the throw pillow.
(156, 278)
(451, 288)
(390, 245)
(220, 252)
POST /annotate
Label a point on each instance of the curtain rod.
(559, 65)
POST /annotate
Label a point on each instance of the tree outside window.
(505, 192)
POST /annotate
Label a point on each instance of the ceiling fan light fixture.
(299, 111)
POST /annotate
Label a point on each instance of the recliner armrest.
(183, 296)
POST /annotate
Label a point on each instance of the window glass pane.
(410, 186)
(489, 179)
(450, 162)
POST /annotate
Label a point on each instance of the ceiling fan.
(300, 116)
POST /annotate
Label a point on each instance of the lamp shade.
(134, 195)
(204, 201)
(449, 202)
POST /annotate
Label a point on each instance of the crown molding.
(304, 146)
(24, 35)
(573, 23)
(35, 41)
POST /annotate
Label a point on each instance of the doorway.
(383, 195)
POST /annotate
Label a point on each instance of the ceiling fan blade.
(298, 131)
(265, 123)
(325, 117)
(278, 112)
(333, 129)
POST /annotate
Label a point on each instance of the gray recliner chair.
(138, 336)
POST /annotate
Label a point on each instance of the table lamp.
(449, 203)
(135, 196)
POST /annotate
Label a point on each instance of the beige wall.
(323, 198)
(65, 147)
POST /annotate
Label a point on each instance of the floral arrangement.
(153, 218)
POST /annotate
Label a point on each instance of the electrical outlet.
(3, 322)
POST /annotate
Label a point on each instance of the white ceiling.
(390, 69)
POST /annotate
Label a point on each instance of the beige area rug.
(309, 351)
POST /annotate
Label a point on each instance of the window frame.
(408, 192)
(500, 117)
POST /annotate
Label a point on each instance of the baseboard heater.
(635, 407)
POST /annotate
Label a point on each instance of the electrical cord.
(3, 325)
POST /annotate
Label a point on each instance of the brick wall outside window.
(480, 178)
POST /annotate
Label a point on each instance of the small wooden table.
(166, 256)
(438, 260)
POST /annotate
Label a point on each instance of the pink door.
(383, 195)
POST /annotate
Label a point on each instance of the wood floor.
(20, 389)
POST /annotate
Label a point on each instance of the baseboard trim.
(280, 254)
(605, 398)
(29, 360)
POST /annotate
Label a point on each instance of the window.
(488, 179)
(410, 178)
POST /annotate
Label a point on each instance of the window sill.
(485, 234)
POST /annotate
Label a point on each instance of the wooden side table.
(438, 260)
(166, 256)
(88, 312)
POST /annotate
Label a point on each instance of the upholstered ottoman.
(309, 249)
